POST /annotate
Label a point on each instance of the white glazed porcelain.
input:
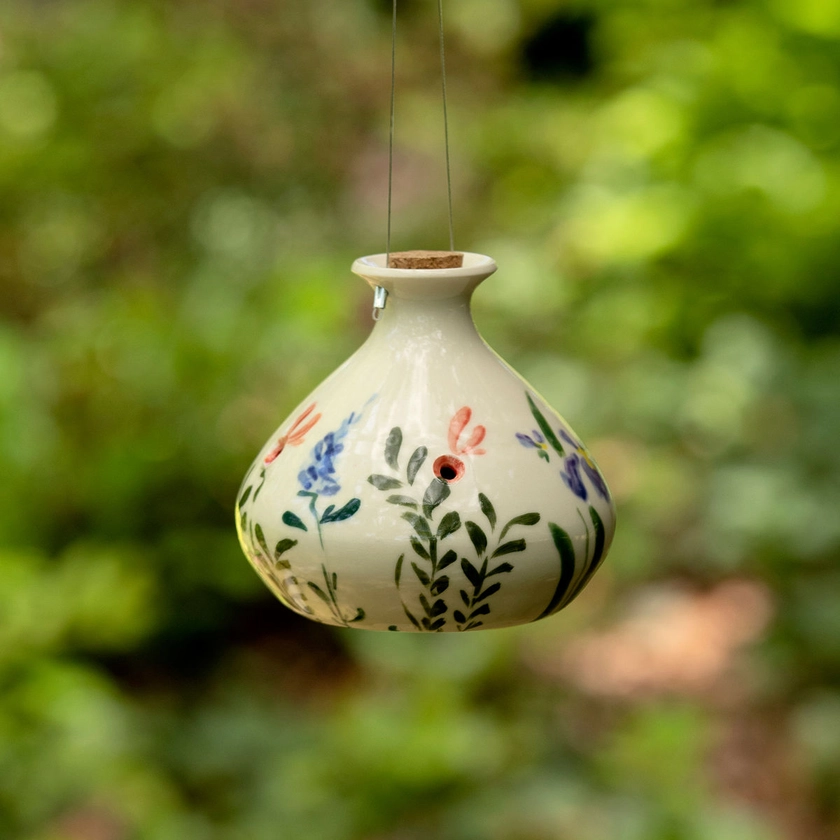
(424, 485)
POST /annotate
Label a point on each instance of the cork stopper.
(426, 259)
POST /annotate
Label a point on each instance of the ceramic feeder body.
(425, 486)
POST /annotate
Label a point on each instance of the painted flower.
(451, 468)
(296, 434)
(319, 475)
(571, 476)
(457, 425)
(534, 441)
(586, 463)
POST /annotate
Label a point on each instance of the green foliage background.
(182, 189)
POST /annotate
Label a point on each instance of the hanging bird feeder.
(424, 486)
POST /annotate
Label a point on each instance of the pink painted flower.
(457, 426)
(296, 434)
(450, 468)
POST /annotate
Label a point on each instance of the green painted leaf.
(447, 560)
(283, 564)
(258, 532)
(471, 572)
(566, 550)
(484, 609)
(383, 482)
(439, 608)
(597, 553)
(488, 510)
(423, 577)
(419, 523)
(440, 585)
(405, 501)
(342, 513)
(424, 602)
(501, 569)
(524, 519)
(392, 447)
(319, 592)
(398, 570)
(427, 625)
(360, 615)
(437, 492)
(293, 521)
(465, 598)
(448, 525)
(419, 548)
(474, 624)
(509, 548)
(600, 537)
(436, 625)
(545, 428)
(393, 628)
(477, 537)
(243, 521)
(491, 590)
(245, 495)
(459, 617)
(411, 618)
(283, 546)
(415, 462)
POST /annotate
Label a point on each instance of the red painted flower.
(456, 429)
(450, 468)
(295, 435)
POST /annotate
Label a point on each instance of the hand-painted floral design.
(547, 440)
(329, 595)
(451, 468)
(474, 596)
(586, 463)
(571, 477)
(319, 475)
(296, 434)
(457, 426)
(276, 570)
(427, 540)
(534, 441)
(568, 588)
(319, 478)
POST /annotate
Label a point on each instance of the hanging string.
(391, 136)
(446, 125)
(391, 131)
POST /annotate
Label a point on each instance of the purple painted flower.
(534, 441)
(571, 476)
(587, 464)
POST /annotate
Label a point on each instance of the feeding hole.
(448, 469)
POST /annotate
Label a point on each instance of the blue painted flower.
(319, 475)
(587, 464)
(571, 476)
(534, 441)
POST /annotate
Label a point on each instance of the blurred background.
(182, 189)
